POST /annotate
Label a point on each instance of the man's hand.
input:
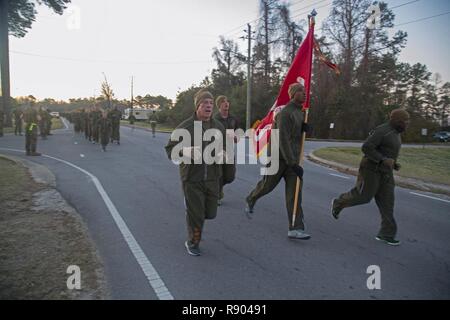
(388, 162)
(298, 170)
(306, 127)
(194, 153)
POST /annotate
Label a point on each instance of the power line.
(307, 11)
(105, 61)
(395, 7)
(422, 19)
(404, 4)
(311, 5)
(262, 16)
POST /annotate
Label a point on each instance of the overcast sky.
(167, 45)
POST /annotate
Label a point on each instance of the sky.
(167, 45)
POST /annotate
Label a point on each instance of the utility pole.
(249, 75)
(5, 104)
(131, 103)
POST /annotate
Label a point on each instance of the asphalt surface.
(242, 259)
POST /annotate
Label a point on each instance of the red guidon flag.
(299, 71)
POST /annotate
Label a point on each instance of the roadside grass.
(429, 164)
(38, 242)
(159, 127)
(56, 124)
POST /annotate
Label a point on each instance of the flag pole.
(298, 184)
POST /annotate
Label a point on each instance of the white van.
(139, 113)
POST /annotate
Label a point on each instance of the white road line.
(339, 176)
(65, 124)
(425, 196)
(150, 272)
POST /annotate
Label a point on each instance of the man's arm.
(371, 144)
(284, 124)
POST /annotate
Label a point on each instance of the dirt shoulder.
(40, 237)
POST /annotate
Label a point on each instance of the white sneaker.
(298, 234)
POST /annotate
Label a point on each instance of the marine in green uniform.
(114, 116)
(18, 115)
(375, 177)
(153, 122)
(31, 118)
(43, 123)
(132, 118)
(289, 122)
(86, 123)
(104, 129)
(95, 117)
(91, 124)
(2, 121)
(200, 181)
(48, 118)
(230, 123)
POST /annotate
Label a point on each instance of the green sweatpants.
(31, 134)
(269, 182)
(374, 183)
(201, 203)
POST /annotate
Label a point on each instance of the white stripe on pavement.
(434, 198)
(339, 176)
(64, 121)
(150, 272)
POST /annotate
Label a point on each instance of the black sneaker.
(388, 240)
(192, 249)
(334, 210)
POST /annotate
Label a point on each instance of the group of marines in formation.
(35, 121)
(99, 126)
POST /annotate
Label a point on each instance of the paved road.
(130, 198)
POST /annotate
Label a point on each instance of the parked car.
(441, 136)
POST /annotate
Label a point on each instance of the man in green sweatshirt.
(290, 124)
(200, 179)
(376, 178)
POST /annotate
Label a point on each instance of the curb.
(39, 173)
(409, 183)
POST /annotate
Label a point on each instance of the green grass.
(56, 124)
(12, 179)
(143, 124)
(8, 129)
(429, 164)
